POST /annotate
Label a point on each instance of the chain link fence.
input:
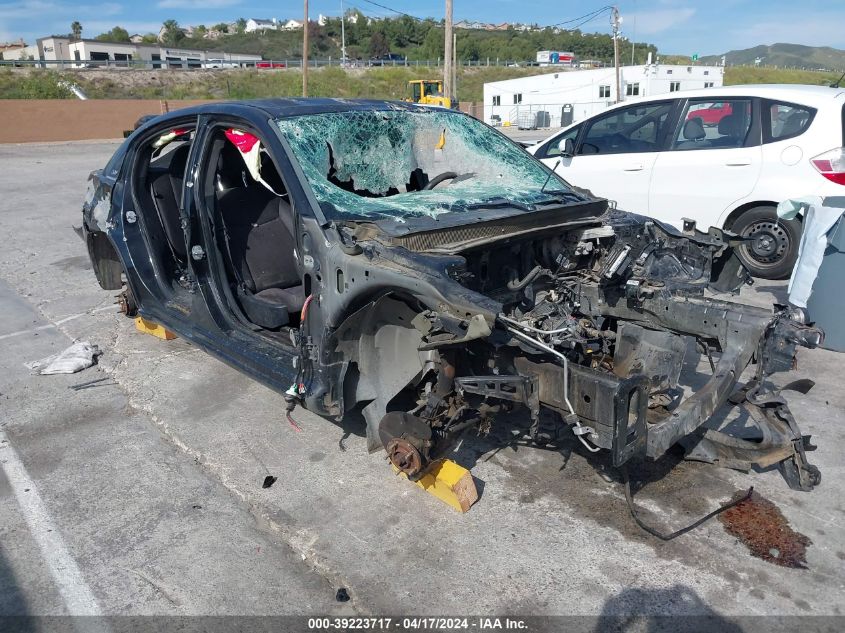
(210, 62)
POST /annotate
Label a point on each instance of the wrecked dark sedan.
(416, 264)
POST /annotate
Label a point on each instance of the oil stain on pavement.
(761, 526)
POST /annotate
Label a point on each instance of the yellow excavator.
(429, 92)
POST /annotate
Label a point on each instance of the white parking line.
(57, 323)
(66, 573)
(30, 331)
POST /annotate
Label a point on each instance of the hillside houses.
(273, 24)
(258, 24)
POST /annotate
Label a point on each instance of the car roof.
(807, 95)
(799, 92)
(296, 106)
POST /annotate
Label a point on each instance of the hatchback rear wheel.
(772, 243)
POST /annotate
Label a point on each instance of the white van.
(723, 157)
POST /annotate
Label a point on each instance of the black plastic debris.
(99, 382)
(269, 480)
(342, 595)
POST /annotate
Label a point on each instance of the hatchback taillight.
(831, 165)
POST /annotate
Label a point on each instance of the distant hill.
(785, 56)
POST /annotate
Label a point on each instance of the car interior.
(731, 129)
(629, 130)
(259, 237)
(788, 120)
(165, 177)
(157, 184)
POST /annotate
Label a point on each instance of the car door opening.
(258, 221)
(158, 181)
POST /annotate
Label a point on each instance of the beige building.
(12, 50)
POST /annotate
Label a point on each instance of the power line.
(587, 17)
(580, 24)
(381, 6)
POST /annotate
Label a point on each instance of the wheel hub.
(126, 303)
(769, 241)
(404, 456)
(407, 440)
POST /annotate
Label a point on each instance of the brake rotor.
(404, 456)
(406, 438)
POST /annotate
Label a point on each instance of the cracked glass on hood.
(376, 164)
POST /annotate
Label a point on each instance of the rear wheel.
(772, 244)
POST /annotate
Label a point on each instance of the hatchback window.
(707, 124)
(634, 129)
(787, 120)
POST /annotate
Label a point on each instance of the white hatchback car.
(723, 157)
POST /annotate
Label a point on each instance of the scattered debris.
(761, 526)
(269, 480)
(293, 423)
(342, 595)
(99, 382)
(77, 357)
(340, 442)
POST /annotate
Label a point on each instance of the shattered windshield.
(402, 163)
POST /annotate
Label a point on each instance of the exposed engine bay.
(594, 324)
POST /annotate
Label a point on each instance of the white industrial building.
(572, 95)
(94, 53)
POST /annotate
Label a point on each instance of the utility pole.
(452, 97)
(615, 21)
(305, 53)
(633, 43)
(342, 35)
(447, 57)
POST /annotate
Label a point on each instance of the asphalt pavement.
(143, 495)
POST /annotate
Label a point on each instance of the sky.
(675, 26)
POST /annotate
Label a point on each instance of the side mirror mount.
(567, 150)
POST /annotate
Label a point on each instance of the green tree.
(76, 29)
(378, 44)
(149, 38)
(172, 33)
(240, 25)
(357, 29)
(222, 27)
(117, 34)
(200, 32)
(433, 44)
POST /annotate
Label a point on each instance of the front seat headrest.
(694, 129)
(730, 125)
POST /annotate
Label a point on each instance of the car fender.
(737, 208)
